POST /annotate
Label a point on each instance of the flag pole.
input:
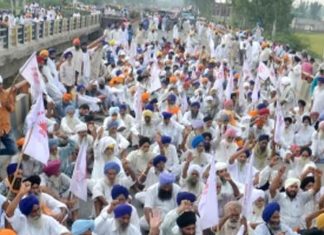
(20, 159)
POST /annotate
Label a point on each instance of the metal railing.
(23, 34)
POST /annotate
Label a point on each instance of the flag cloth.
(36, 145)
(273, 78)
(30, 72)
(248, 187)
(279, 124)
(155, 83)
(263, 71)
(229, 86)
(241, 230)
(138, 103)
(208, 204)
(78, 185)
(256, 89)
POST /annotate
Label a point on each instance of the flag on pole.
(212, 46)
(256, 89)
(229, 86)
(155, 83)
(273, 78)
(279, 124)
(208, 204)
(30, 72)
(241, 91)
(263, 71)
(248, 188)
(138, 103)
(36, 145)
(78, 185)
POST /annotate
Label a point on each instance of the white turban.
(220, 166)
(309, 165)
(81, 127)
(113, 110)
(1, 79)
(194, 167)
(106, 142)
(256, 194)
(291, 181)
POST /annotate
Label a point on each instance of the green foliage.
(308, 10)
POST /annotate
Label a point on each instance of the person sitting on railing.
(7, 106)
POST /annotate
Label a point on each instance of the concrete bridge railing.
(21, 35)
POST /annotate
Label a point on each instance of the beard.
(122, 227)
(291, 195)
(233, 224)
(274, 227)
(35, 221)
(192, 183)
(164, 195)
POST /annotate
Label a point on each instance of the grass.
(314, 41)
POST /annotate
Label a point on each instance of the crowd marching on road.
(175, 127)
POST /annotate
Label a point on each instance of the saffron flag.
(208, 204)
(36, 145)
(78, 185)
(30, 72)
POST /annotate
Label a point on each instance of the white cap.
(1, 79)
(81, 127)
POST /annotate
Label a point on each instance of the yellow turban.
(147, 113)
(320, 221)
(43, 53)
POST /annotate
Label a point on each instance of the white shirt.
(152, 200)
(109, 226)
(304, 135)
(48, 225)
(239, 172)
(264, 230)
(2, 214)
(291, 211)
(171, 154)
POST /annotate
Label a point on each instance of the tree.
(315, 10)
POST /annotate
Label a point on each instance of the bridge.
(19, 42)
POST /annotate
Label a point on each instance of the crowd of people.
(158, 111)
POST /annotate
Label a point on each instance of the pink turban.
(321, 126)
(52, 167)
(230, 133)
(228, 103)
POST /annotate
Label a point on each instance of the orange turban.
(253, 113)
(76, 42)
(173, 79)
(44, 53)
(67, 97)
(145, 97)
(7, 232)
(20, 142)
(237, 76)
(204, 80)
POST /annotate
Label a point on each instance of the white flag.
(256, 89)
(241, 230)
(78, 185)
(229, 86)
(263, 71)
(31, 74)
(273, 78)
(241, 92)
(211, 47)
(155, 83)
(248, 188)
(36, 145)
(279, 124)
(138, 103)
(208, 204)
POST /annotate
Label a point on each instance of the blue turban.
(69, 109)
(118, 72)
(154, 101)
(111, 166)
(185, 196)
(149, 107)
(195, 104)
(11, 168)
(263, 137)
(67, 54)
(172, 97)
(122, 209)
(197, 140)
(165, 139)
(26, 204)
(51, 50)
(80, 87)
(247, 152)
(166, 178)
(158, 159)
(113, 124)
(166, 115)
(113, 110)
(261, 106)
(320, 79)
(81, 226)
(53, 142)
(118, 190)
(123, 107)
(269, 210)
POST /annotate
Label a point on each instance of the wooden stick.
(14, 81)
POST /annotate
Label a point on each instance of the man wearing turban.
(191, 179)
(292, 201)
(28, 219)
(119, 195)
(272, 223)
(197, 154)
(227, 146)
(119, 224)
(83, 227)
(101, 192)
